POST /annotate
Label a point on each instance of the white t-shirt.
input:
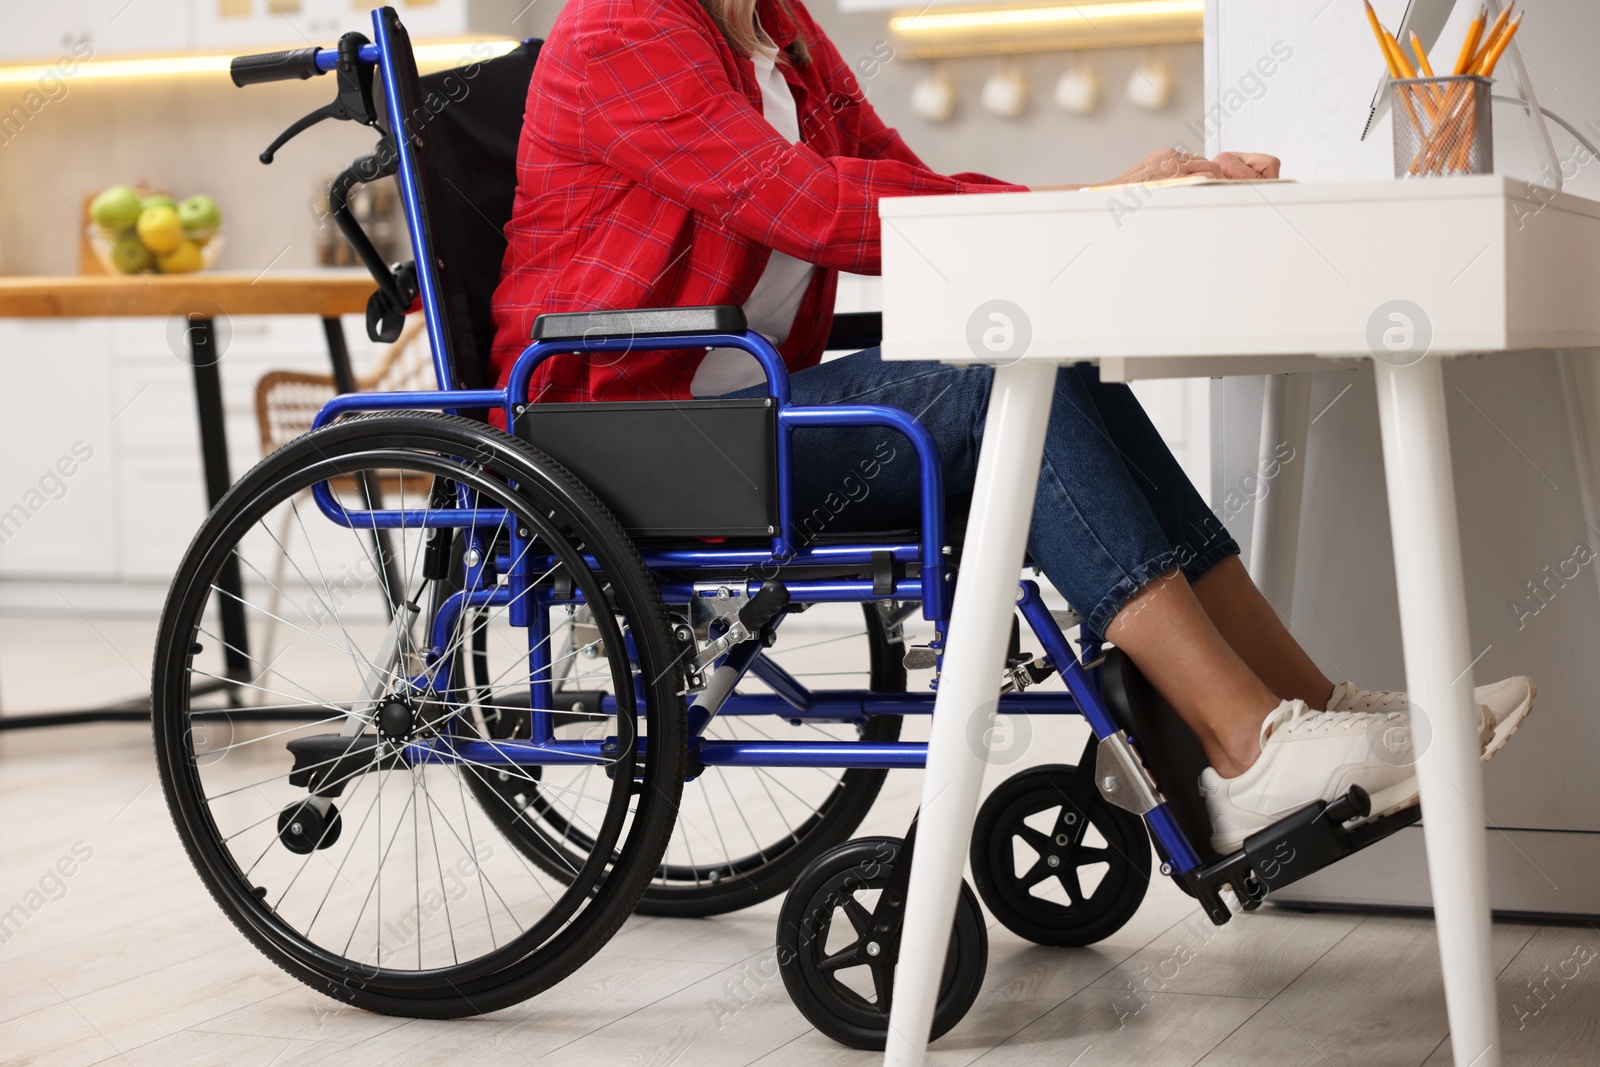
(775, 301)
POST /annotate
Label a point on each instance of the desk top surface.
(326, 294)
(1239, 273)
(1267, 195)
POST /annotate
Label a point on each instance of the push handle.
(298, 63)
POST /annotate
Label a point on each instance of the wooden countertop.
(326, 294)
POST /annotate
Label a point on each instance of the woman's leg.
(1250, 624)
(1223, 588)
(1166, 631)
(1094, 533)
(1104, 547)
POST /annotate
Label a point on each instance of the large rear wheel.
(349, 841)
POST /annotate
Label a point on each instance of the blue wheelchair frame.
(527, 603)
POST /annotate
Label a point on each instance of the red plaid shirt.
(647, 177)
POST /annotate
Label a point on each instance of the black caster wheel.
(836, 934)
(1055, 862)
(303, 829)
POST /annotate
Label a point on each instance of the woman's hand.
(1167, 163)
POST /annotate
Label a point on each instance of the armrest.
(639, 322)
(856, 329)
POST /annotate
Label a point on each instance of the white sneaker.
(1311, 755)
(1502, 706)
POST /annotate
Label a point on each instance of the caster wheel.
(1055, 862)
(831, 950)
(303, 829)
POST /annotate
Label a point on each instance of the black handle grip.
(298, 63)
(772, 598)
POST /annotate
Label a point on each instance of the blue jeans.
(1114, 509)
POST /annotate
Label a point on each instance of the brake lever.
(353, 103)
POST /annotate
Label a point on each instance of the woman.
(693, 152)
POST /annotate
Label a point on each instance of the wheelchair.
(539, 678)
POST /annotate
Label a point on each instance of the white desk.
(1243, 279)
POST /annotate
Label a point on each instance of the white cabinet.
(100, 470)
(157, 440)
(112, 27)
(56, 456)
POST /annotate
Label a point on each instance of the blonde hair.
(737, 21)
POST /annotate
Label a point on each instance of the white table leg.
(991, 559)
(1275, 532)
(1438, 655)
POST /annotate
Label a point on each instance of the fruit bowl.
(124, 253)
(137, 231)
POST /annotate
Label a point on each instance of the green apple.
(115, 209)
(200, 217)
(156, 199)
(159, 229)
(130, 256)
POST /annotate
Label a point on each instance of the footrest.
(1294, 847)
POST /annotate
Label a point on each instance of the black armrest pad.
(640, 322)
(856, 329)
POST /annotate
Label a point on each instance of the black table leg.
(344, 381)
(214, 456)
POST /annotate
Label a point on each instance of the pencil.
(1486, 68)
(1489, 37)
(1435, 92)
(1400, 59)
(1422, 56)
(1469, 46)
(1383, 39)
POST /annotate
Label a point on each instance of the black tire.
(634, 805)
(811, 969)
(702, 873)
(1012, 894)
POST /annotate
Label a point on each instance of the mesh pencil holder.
(1442, 126)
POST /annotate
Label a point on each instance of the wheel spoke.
(859, 917)
(848, 956)
(1035, 840)
(1069, 881)
(1036, 874)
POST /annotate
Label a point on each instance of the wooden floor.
(128, 960)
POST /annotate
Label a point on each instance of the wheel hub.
(395, 719)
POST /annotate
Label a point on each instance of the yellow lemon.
(185, 259)
(160, 229)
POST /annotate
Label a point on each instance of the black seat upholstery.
(463, 127)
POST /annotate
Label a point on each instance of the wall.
(200, 134)
(1517, 476)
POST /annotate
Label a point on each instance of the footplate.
(1290, 849)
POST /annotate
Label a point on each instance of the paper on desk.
(1187, 179)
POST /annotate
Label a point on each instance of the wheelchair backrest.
(462, 126)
